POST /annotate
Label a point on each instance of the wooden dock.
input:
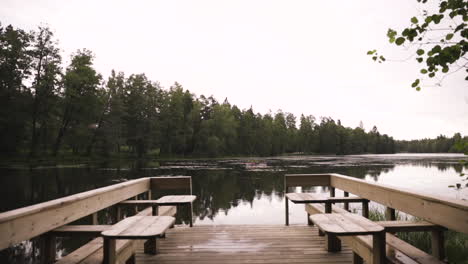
(243, 244)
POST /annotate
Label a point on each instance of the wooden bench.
(92, 252)
(362, 245)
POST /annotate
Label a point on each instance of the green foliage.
(443, 52)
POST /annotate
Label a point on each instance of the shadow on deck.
(244, 244)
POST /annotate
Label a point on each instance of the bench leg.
(109, 251)
(150, 246)
(131, 260)
(365, 209)
(357, 259)
(49, 249)
(332, 243)
(346, 205)
(286, 210)
(437, 240)
(309, 222)
(155, 210)
(191, 214)
(378, 245)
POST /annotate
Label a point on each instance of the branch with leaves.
(443, 54)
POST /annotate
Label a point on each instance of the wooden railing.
(450, 213)
(31, 221)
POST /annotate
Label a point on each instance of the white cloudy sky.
(300, 56)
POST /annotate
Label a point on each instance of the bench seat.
(92, 252)
(362, 245)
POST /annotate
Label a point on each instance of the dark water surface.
(229, 191)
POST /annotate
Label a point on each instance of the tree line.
(441, 144)
(48, 110)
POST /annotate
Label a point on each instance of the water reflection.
(235, 191)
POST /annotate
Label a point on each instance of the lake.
(229, 191)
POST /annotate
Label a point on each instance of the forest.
(47, 110)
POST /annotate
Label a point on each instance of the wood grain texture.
(243, 244)
(450, 213)
(345, 224)
(27, 222)
(139, 227)
(176, 199)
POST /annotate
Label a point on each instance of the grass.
(456, 244)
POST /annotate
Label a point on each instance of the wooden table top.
(176, 199)
(346, 224)
(139, 227)
(320, 198)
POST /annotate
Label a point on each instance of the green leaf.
(382, 58)
(400, 41)
(414, 20)
(449, 36)
(419, 60)
(451, 186)
(428, 19)
(415, 83)
(420, 52)
(374, 58)
(432, 74)
(370, 52)
(418, 88)
(423, 71)
(445, 69)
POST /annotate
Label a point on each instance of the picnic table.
(135, 227)
(348, 224)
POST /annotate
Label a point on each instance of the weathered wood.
(362, 245)
(171, 183)
(408, 226)
(437, 243)
(378, 248)
(443, 211)
(80, 230)
(139, 227)
(292, 180)
(365, 209)
(345, 224)
(48, 251)
(176, 199)
(94, 219)
(346, 204)
(286, 202)
(259, 244)
(390, 214)
(92, 252)
(27, 222)
(109, 251)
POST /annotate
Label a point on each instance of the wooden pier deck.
(243, 244)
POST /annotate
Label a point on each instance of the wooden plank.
(345, 224)
(408, 226)
(292, 180)
(450, 213)
(410, 251)
(171, 183)
(83, 230)
(176, 199)
(27, 222)
(140, 227)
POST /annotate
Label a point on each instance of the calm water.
(234, 191)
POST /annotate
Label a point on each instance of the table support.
(365, 209)
(109, 251)
(287, 210)
(309, 222)
(346, 205)
(357, 259)
(333, 244)
(378, 245)
(191, 214)
(150, 246)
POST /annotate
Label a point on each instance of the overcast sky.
(299, 56)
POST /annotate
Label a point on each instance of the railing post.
(365, 209)
(94, 218)
(346, 204)
(390, 214)
(49, 249)
(437, 241)
(286, 209)
(332, 191)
